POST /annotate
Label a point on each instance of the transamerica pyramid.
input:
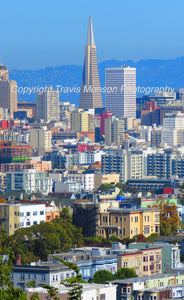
(90, 95)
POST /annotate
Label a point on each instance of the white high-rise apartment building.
(121, 91)
(173, 129)
(47, 105)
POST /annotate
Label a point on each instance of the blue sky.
(36, 34)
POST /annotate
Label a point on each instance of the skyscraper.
(90, 96)
(121, 91)
(8, 91)
(47, 105)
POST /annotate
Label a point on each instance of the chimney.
(18, 259)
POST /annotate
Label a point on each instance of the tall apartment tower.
(47, 105)
(40, 139)
(120, 95)
(90, 96)
(79, 121)
(8, 91)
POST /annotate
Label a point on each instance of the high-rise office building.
(90, 96)
(47, 105)
(121, 91)
(8, 91)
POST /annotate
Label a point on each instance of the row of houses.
(146, 260)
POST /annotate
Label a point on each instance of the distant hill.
(150, 73)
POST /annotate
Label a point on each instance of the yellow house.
(145, 262)
(126, 223)
(9, 217)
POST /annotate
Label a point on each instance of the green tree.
(125, 273)
(31, 284)
(152, 238)
(114, 238)
(102, 276)
(7, 291)
(65, 214)
(52, 291)
(74, 285)
(35, 296)
(170, 222)
(36, 242)
(106, 187)
(11, 293)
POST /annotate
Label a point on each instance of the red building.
(150, 114)
(4, 124)
(10, 152)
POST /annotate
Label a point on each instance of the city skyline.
(120, 32)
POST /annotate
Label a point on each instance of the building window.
(125, 264)
(35, 223)
(151, 267)
(145, 268)
(123, 231)
(22, 277)
(116, 219)
(42, 277)
(151, 257)
(28, 214)
(28, 223)
(105, 219)
(21, 214)
(136, 219)
(124, 219)
(145, 258)
(156, 217)
(146, 230)
(131, 263)
(41, 212)
(135, 231)
(34, 213)
(157, 229)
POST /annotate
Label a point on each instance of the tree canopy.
(7, 291)
(36, 242)
(102, 276)
(125, 273)
(170, 222)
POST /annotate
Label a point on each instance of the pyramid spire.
(90, 37)
(90, 96)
